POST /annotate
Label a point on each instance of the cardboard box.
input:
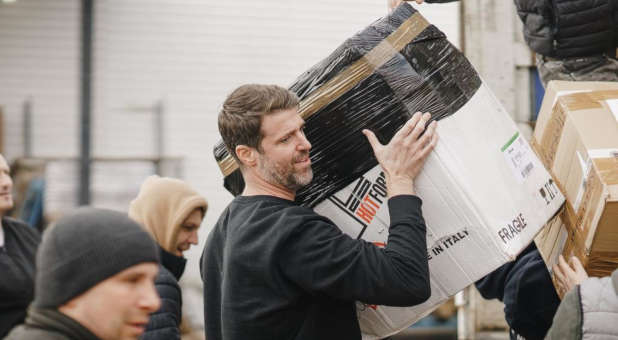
(576, 137)
(482, 187)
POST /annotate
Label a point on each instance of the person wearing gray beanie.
(94, 279)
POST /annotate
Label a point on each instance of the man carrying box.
(275, 270)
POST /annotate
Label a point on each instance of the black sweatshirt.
(275, 270)
(17, 258)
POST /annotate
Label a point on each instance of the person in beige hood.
(171, 211)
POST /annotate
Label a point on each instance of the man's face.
(187, 235)
(119, 307)
(6, 187)
(284, 157)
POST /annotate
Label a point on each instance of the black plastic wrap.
(426, 74)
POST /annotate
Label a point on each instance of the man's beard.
(287, 175)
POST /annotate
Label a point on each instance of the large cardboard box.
(576, 137)
(485, 194)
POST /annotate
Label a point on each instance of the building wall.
(39, 59)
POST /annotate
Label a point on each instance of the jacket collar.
(175, 264)
(53, 320)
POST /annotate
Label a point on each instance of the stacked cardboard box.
(576, 137)
(482, 187)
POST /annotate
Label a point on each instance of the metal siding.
(39, 54)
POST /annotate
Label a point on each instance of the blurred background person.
(172, 212)
(18, 245)
(94, 280)
(589, 310)
(574, 40)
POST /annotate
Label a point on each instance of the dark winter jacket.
(50, 324)
(275, 270)
(570, 28)
(17, 258)
(525, 287)
(164, 324)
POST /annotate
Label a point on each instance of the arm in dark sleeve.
(321, 259)
(492, 285)
(164, 324)
(525, 287)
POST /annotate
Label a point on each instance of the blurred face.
(187, 235)
(284, 155)
(6, 187)
(119, 307)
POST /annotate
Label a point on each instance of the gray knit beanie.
(85, 248)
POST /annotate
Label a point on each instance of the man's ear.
(247, 155)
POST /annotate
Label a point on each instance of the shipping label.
(519, 157)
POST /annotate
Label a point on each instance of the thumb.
(373, 140)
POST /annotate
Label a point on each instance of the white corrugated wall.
(39, 59)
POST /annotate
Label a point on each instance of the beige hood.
(162, 205)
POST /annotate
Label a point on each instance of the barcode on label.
(527, 170)
(519, 157)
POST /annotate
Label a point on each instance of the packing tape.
(587, 100)
(548, 145)
(352, 75)
(606, 162)
(602, 264)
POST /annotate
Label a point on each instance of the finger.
(577, 266)
(562, 263)
(426, 138)
(575, 263)
(558, 268)
(565, 267)
(373, 140)
(420, 126)
(407, 128)
(558, 275)
(428, 148)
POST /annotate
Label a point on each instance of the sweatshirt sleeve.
(321, 259)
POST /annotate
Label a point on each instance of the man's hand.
(568, 275)
(404, 156)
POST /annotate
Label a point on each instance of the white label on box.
(613, 106)
(519, 157)
(603, 153)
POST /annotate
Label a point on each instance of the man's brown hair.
(240, 120)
